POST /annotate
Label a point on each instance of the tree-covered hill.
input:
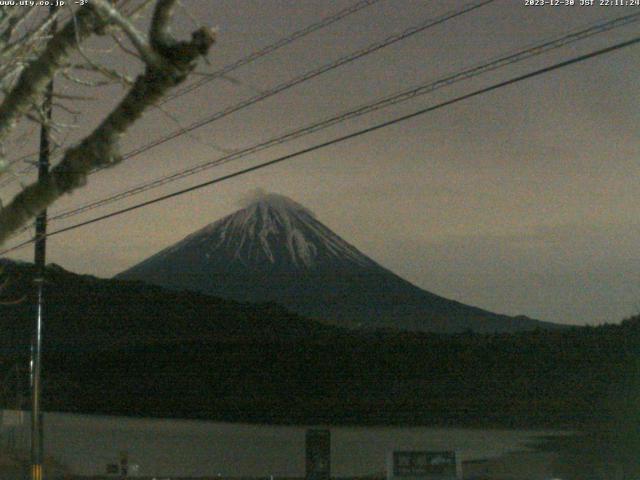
(127, 348)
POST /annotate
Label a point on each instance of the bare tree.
(30, 57)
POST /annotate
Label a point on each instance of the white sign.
(424, 465)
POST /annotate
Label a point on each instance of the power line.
(309, 75)
(430, 23)
(343, 138)
(325, 22)
(384, 102)
(222, 72)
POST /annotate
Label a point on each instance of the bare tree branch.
(139, 42)
(170, 64)
(35, 77)
(160, 34)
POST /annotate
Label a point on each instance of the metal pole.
(40, 261)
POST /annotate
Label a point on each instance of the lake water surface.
(162, 447)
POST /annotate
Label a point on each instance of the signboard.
(423, 465)
(318, 454)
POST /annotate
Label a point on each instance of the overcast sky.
(520, 201)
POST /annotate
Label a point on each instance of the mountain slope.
(88, 313)
(276, 250)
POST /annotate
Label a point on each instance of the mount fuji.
(276, 250)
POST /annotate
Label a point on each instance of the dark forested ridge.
(543, 379)
(153, 352)
(85, 312)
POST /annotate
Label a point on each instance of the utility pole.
(40, 262)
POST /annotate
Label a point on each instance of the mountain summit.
(275, 230)
(275, 250)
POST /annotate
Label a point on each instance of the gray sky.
(520, 201)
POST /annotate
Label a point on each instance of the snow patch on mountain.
(261, 230)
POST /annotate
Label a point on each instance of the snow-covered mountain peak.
(275, 228)
(275, 202)
(275, 250)
(271, 229)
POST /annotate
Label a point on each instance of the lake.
(166, 447)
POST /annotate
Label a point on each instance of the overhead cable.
(361, 110)
(343, 138)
